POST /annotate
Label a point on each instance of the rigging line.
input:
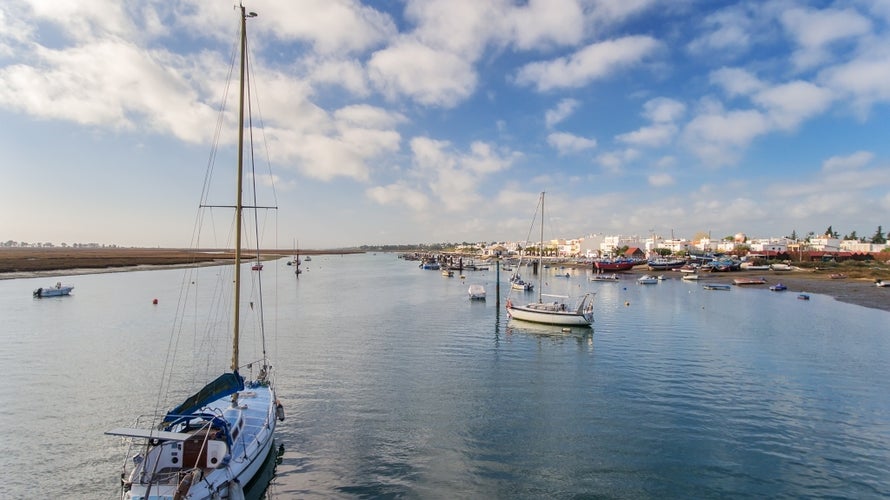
(261, 315)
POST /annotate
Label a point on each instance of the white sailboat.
(555, 312)
(214, 443)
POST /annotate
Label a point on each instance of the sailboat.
(555, 312)
(215, 442)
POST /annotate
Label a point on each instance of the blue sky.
(442, 120)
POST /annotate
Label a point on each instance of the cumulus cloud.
(736, 81)
(814, 30)
(567, 143)
(595, 61)
(661, 179)
(563, 110)
(427, 75)
(854, 161)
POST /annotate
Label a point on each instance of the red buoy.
(155, 302)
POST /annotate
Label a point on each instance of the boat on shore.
(614, 265)
(749, 281)
(58, 290)
(663, 264)
(214, 443)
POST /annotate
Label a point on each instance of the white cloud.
(854, 161)
(814, 30)
(736, 81)
(331, 26)
(399, 194)
(718, 138)
(650, 136)
(663, 110)
(429, 76)
(567, 143)
(542, 22)
(791, 103)
(563, 110)
(661, 179)
(593, 62)
(725, 31)
(348, 74)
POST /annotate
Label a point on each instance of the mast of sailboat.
(541, 255)
(239, 208)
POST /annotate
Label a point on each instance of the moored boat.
(214, 443)
(57, 290)
(778, 287)
(882, 283)
(716, 286)
(557, 312)
(476, 292)
(647, 280)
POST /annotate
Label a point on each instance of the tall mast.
(541, 254)
(238, 204)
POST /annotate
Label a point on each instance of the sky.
(401, 122)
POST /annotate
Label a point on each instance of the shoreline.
(23, 263)
(858, 291)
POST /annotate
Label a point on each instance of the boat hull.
(53, 291)
(248, 453)
(567, 318)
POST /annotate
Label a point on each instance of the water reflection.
(261, 486)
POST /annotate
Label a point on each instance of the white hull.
(566, 318)
(554, 313)
(249, 449)
(55, 291)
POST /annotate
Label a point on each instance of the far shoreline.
(25, 263)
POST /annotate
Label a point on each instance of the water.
(396, 385)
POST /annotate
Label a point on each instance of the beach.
(858, 288)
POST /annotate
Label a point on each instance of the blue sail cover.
(224, 385)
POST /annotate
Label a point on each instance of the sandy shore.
(859, 291)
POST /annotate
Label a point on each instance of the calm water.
(396, 385)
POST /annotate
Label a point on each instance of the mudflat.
(31, 262)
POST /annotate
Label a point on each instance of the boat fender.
(186, 484)
(279, 410)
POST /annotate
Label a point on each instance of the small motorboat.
(803, 296)
(882, 283)
(716, 286)
(53, 291)
(647, 280)
(778, 287)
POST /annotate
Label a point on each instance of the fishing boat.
(57, 290)
(555, 312)
(215, 441)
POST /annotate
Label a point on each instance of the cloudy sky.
(442, 120)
